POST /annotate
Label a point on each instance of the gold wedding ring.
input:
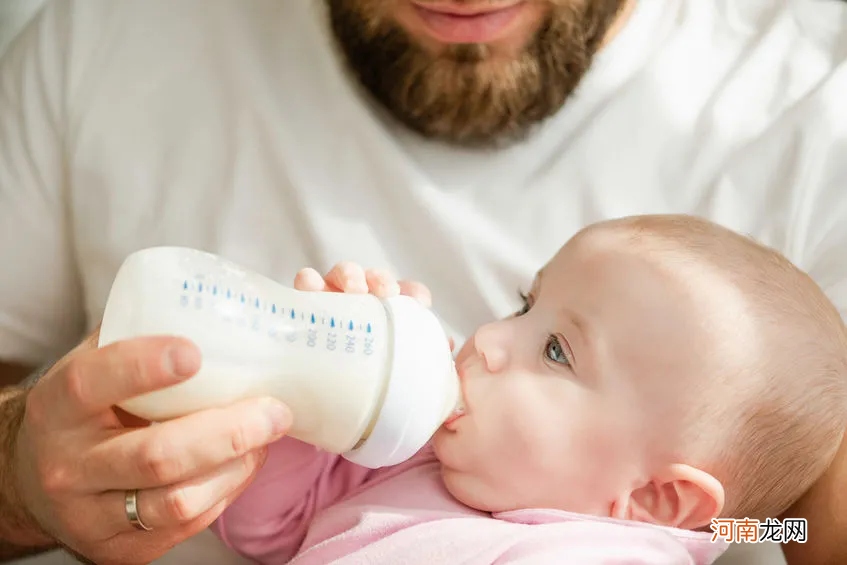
(131, 506)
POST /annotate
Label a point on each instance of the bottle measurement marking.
(348, 341)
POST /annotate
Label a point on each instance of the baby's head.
(664, 370)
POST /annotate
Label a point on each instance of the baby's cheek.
(506, 418)
(523, 432)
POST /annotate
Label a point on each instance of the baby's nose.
(491, 343)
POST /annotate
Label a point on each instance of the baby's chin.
(472, 492)
(461, 487)
(475, 495)
(458, 477)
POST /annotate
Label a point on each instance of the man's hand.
(75, 455)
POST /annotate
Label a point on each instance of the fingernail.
(279, 416)
(182, 360)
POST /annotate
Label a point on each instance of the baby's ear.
(681, 497)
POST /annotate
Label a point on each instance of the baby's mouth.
(455, 415)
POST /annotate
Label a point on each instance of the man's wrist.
(20, 532)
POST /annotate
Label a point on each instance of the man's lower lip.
(477, 28)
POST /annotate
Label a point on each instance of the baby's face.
(566, 401)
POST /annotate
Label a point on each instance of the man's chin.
(473, 94)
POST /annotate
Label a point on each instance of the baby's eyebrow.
(579, 322)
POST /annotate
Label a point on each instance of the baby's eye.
(555, 352)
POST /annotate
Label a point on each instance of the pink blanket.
(310, 508)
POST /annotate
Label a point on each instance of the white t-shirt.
(231, 126)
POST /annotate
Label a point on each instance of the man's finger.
(185, 448)
(416, 290)
(175, 506)
(348, 277)
(205, 520)
(310, 280)
(381, 283)
(92, 381)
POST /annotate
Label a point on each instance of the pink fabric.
(307, 508)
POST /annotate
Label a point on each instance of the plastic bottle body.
(330, 357)
(325, 354)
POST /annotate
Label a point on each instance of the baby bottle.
(369, 378)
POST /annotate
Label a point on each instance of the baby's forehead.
(673, 252)
(608, 257)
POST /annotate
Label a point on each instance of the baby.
(663, 372)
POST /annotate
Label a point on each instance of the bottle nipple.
(459, 408)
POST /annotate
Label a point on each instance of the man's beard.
(462, 94)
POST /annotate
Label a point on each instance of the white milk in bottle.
(368, 378)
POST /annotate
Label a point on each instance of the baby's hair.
(782, 419)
